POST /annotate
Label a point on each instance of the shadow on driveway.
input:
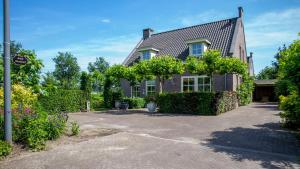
(269, 144)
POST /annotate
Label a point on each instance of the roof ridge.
(194, 26)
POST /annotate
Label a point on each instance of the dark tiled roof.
(219, 33)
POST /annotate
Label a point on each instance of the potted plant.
(151, 105)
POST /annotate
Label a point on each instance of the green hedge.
(135, 103)
(63, 101)
(201, 103)
(97, 102)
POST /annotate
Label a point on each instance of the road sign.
(20, 60)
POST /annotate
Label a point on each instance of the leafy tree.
(289, 76)
(29, 74)
(267, 73)
(97, 80)
(67, 70)
(85, 84)
(100, 65)
(213, 63)
(164, 67)
(49, 82)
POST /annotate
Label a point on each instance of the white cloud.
(203, 17)
(273, 28)
(105, 20)
(265, 33)
(115, 50)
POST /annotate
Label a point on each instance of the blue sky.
(111, 29)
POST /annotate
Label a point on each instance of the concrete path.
(248, 137)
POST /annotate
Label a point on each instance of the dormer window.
(197, 46)
(148, 53)
(196, 49)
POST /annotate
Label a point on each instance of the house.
(227, 35)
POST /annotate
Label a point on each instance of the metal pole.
(7, 83)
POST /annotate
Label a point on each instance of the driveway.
(248, 137)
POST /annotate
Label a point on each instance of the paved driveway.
(248, 137)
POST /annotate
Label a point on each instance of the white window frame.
(150, 85)
(195, 82)
(200, 48)
(132, 90)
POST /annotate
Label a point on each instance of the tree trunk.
(160, 89)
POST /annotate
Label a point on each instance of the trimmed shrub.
(135, 103)
(201, 103)
(186, 103)
(63, 101)
(5, 149)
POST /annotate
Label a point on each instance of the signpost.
(7, 83)
(20, 60)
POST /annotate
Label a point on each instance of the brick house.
(227, 35)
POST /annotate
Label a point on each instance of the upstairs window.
(146, 55)
(196, 49)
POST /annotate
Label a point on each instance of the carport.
(264, 90)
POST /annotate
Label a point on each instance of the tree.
(97, 80)
(49, 82)
(164, 67)
(67, 70)
(212, 63)
(85, 84)
(29, 74)
(100, 65)
(267, 73)
(289, 77)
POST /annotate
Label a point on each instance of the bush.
(245, 91)
(20, 95)
(186, 103)
(5, 149)
(135, 103)
(55, 126)
(201, 103)
(1, 127)
(75, 128)
(291, 106)
(63, 101)
(97, 101)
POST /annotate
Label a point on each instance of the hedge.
(135, 103)
(201, 103)
(63, 101)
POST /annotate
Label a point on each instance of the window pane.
(146, 55)
(206, 80)
(196, 49)
(191, 81)
(200, 88)
(207, 88)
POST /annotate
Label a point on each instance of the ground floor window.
(150, 87)
(136, 91)
(195, 83)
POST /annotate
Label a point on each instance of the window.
(146, 55)
(188, 84)
(196, 49)
(136, 91)
(196, 84)
(150, 87)
(204, 84)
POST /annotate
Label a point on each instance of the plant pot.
(151, 106)
(117, 104)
